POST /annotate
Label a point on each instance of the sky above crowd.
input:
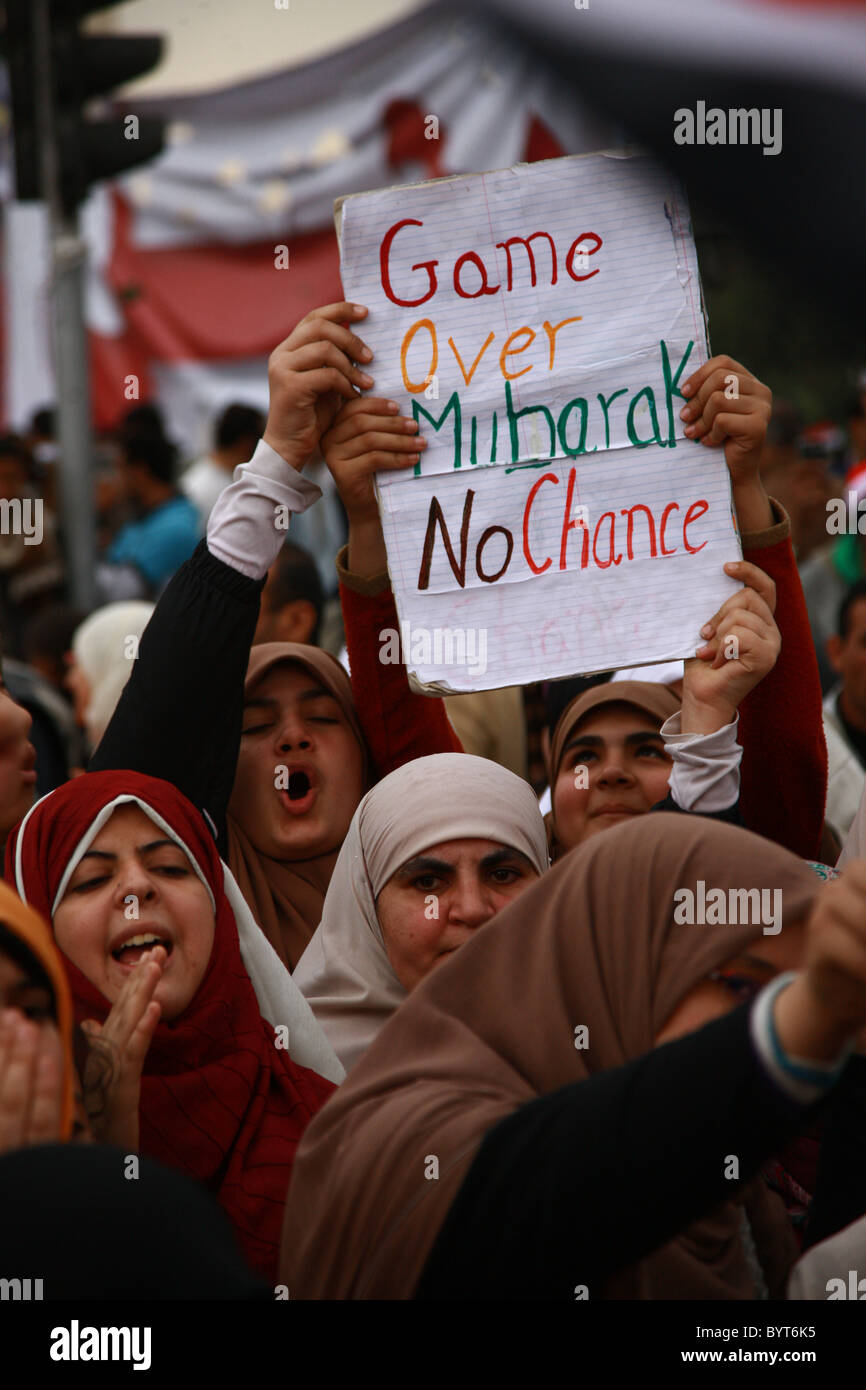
(215, 43)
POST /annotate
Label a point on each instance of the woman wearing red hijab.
(162, 955)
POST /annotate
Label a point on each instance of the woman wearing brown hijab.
(611, 752)
(533, 1127)
(302, 768)
(608, 760)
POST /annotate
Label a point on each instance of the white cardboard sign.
(538, 322)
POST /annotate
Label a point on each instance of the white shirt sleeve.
(250, 517)
(706, 773)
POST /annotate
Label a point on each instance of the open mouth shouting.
(300, 791)
(133, 944)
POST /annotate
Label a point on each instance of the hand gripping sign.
(538, 322)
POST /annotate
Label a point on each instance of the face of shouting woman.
(131, 862)
(614, 766)
(300, 769)
(17, 763)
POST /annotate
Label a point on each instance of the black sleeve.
(583, 1182)
(840, 1192)
(731, 814)
(180, 714)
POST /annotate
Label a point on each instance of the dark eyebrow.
(502, 856)
(424, 864)
(141, 849)
(317, 694)
(266, 701)
(595, 740)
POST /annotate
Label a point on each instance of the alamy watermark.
(737, 126)
(21, 1290)
(76, 1343)
(713, 907)
(846, 521)
(22, 516)
(854, 1289)
(441, 646)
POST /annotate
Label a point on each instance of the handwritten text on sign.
(539, 322)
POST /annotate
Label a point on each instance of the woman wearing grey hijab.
(433, 852)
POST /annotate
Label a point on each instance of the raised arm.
(784, 776)
(545, 1208)
(180, 714)
(741, 649)
(553, 1200)
(398, 724)
(784, 769)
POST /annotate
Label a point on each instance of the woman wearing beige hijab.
(515, 1132)
(433, 852)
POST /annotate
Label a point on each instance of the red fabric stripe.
(205, 303)
(195, 303)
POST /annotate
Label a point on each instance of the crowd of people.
(247, 868)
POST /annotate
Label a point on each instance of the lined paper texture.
(538, 321)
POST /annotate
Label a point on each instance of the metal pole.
(69, 259)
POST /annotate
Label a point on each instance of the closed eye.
(257, 729)
(169, 870)
(89, 883)
(743, 986)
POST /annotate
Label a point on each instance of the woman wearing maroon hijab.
(156, 940)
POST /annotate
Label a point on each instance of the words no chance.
(635, 532)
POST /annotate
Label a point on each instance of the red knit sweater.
(783, 777)
(398, 724)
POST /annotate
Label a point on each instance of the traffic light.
(55, 71)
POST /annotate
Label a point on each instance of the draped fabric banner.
(205, 259)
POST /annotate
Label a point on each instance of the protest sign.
(538, 322)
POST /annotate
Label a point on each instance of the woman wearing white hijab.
(104, 649)
(433, 852)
